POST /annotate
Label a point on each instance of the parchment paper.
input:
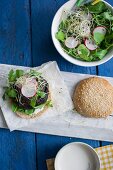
(59, 93)
(74, 118)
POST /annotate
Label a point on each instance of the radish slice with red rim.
(32, 80)
(71, 42)
(100, 29)
(28, 90)
(90, 44)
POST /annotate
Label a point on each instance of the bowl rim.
(77, 143)
(65, 55)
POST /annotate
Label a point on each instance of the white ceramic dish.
(77, 156)
(54, 29)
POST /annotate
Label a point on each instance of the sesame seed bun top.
(93, 97)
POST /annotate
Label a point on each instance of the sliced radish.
(71, 42)
(32, 80)
(28, 90)
(100, 29)
(90, 44)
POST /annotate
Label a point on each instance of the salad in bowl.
(85, 33)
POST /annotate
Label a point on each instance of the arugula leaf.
(79, 3)
(11, 76)
(84, 52)
(98, 37)
(60, 36)
(33, 102)
(19, 73)
(14, 107)
(41, 94)
(34, 73)
(108, 42)
(25, 111)
(97, 8)
(85, 58)
(100, 53)
(12, 93)
(108, 16)
(29, 111)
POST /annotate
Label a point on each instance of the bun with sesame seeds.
(93, 97)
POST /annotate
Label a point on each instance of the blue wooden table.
(25, 39)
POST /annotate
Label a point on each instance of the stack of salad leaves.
(23, 96)
(86, 32)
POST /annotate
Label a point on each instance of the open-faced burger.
(28, 93)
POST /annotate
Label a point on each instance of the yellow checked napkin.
(105, 154)
(106, 157)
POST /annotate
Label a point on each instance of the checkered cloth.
(105, 154)
(106, 157)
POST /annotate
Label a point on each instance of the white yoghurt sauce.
(76, 157)
(37, 110)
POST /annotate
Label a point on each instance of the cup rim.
(76, 143)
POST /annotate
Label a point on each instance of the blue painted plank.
(43, 50)
(17, 149)
(15, 38)
(106, 70)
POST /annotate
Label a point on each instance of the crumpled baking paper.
(74, 118)
(61, 98)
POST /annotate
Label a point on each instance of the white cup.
(77, 156)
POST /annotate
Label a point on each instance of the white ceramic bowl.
(77, 156)
(54, 29)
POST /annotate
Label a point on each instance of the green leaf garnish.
(14, 107)
(41, 94)
(33, 102)
(84, 52)
(98, 37)
(12, 93)
(79, 3)
(29, 111)
(108, 16)
(101, 53)
(34, 73)
(97, 8)
(19, 73)
(13, 75)
(60, 35)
